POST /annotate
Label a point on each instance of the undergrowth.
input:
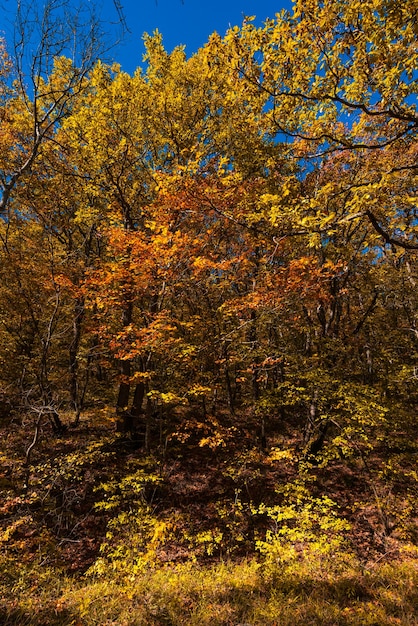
(109, 535)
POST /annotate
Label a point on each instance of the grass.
(221, 594)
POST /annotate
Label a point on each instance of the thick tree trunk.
(138, 399)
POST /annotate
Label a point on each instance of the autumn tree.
(226, 231)
(40, 88)
(336, 87)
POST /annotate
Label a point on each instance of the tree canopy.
(218, 247)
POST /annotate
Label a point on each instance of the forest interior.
(209, 323)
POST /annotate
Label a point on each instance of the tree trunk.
(124, 419)
(76, 401)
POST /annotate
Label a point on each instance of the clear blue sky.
(181, 22)
(188, 22)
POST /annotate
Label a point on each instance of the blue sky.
(181, 22)
(188, 22)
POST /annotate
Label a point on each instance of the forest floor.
(208, 527)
